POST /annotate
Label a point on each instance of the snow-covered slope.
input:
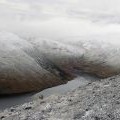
(19, 71)
(92, 54)
(31, 65)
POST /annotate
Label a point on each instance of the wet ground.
(11, 101)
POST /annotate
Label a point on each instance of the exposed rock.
(99, 100)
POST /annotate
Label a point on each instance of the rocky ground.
(99, 100)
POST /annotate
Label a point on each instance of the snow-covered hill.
(31, 65)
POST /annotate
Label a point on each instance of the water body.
(12, 101)
(70, 86)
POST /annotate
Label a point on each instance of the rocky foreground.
(99, 100)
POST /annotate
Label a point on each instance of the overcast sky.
(47, 9)
(60, 17)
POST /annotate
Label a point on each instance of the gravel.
(99, 100)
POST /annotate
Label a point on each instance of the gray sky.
(60, 17)
(44, 9)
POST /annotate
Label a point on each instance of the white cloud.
(60, 17)
(90, 9)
